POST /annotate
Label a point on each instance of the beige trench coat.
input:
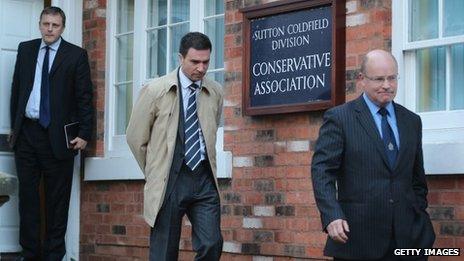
(152, 133)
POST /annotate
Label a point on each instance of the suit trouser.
(194, 194)
(389, 255)
(34, 159)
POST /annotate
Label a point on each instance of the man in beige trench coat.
(172, 134)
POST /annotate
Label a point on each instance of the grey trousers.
(194, 194)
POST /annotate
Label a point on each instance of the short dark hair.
(53, 10)
(195, 40)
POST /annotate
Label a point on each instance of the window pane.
(180, 11)
(156, 53)
(454, 18)
(176, 34)
(457, 77)
(423, 19)
(157, 12)
(123, 107)
(214, 7)
(124, 57)
(214, 29)
(125, 18)
(430, 78)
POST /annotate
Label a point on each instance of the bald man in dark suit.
(367, 171)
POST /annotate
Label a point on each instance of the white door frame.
(18, 22)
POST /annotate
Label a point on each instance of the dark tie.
(44, 113)
(192, 131)
(388, 138)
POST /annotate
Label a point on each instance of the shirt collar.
(54, 46)
(374, 108)
(185, 82)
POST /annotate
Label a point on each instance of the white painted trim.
(116, 168)
(433, 42)
(109, 76)
(140, 50)
(223, 158)
(443, 158)
(398, 32)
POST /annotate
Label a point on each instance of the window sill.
(114, 168)
(443, 158)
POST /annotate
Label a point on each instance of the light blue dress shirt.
(33, 104)
(391, 117)
(185, 82)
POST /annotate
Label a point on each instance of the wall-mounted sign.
(294, 56)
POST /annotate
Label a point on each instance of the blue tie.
(192, 131)
(44, 113)
(388, 138)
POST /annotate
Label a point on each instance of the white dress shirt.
(33, 104)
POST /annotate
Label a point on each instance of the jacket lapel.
(364, 116)
(60, 56)
(179, 96)
(402, 132)
(181, 113)
(34, 52)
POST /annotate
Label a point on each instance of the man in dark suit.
(51, 88)
(367, 171)
(172, 134)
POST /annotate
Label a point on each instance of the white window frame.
(118, 162)
(443, 144)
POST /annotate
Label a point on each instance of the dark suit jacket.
(375, 199)
(70, 92)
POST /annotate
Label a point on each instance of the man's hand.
(337, 230)
(79, 144)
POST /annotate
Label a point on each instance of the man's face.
(51, 27)
(195, 63)
(380, 79)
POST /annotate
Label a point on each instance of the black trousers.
(193, 194)
(389, 255)
(34, 159)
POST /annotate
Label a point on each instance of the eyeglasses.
(381, 79)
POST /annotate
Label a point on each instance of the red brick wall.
(94, 41)
(112, 225)
(268, 207)
(446, 208)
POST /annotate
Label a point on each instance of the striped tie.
(192, 131)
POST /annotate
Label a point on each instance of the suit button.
(391, 201)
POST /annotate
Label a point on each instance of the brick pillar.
(94, 41)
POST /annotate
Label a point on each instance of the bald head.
(376, 56)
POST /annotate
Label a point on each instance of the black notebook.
(71, 131)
